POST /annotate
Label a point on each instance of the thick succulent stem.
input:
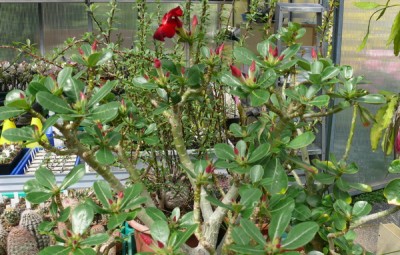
(351, 133)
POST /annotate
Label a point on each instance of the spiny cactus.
(21, 242)
(3, 240)
(31, 220)
(11, 216)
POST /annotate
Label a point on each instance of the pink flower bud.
(120, 195)
(314, 54)
(81, 52)
(236, 151)
(94, 46)
(397, 142)
(195, 22)
(273, 52)
(182, 70)
(281, 57)
(236, 71)
(252, 67)
(110, 201)
(157, 63)
(99, 125)
(146, 77)
(146, 238)
(82, 96)
(21, 96)
(160, 244)
(167, 74)
(210, 169)
(219, 50)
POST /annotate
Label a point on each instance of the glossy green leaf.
(73, 87)
(81, 218)
(300, 235)
(84, 251)
(34, 87)
(245, 249)
(395, 35)
(238, 237)
(256, 173)
(302, 140)
(50, 122)
(116, 219)
(217, 202)
(361, 208)
(263, 48)
(252, 231)
(342, 208)
(301, 212)
(159, 230)
(185, 235)
(105, 112)
(10, 112)
(64, 215)
(324, 178)
(37, 197)
(104, 156)
(56, 250)
(53, 103)
(259, 153)
(320, 101)
(372, 99)
(392, 192)
(267, 78)
(245, 55)
(142, 83)
(249, 196)
(131, 193)
(230, 80)
(278, 224)
(259, 97)
(291, 51)
(45, 177)
(102, 93)
(224, 151)
(73, 176)
(103, 192)
(19, 134)
(329, 73)
(394, 167)
(361, 186)
(96, 239)
(64, 75)
(276, 180)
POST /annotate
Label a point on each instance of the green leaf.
(394, 167)
(249, 196)
(276, 180)
(37, 197)
(320, 101)
(53, 103)
(360, 186)
(81, 218)
(263, 48)
(46, 178)
(131, 193)
(224, 151)
(230, 80)
(50, 122)
(103, 192)
(64, 215)
(142, 83)
(85, 251)
(102, 92)
(302, 140)
(324, 178)
(116, 219)
(300, 235)
(64, 75)
(245, 249)
(55, 250)
(259, 97)
(361, 208)
(104, 156)
(291, 51)
(217, 202)
(185, 235)
(105, 112)
(159, 230)
(392, 192)
(96, 239)
(105, 56)
(278, 224)
(19, 134)
(34, 87)
(155, 214)
(330, 72)
(372, 99)
(268, 78)
(245, 55)
(259, 153)
(73, 176)
(252, 231)
(236, 130)
(256, 173)
(10, 112)
(301, 212)
(366, 5)
(73, 87)
(238, 237)
(342, 208)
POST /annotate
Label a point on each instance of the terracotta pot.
(144, 241)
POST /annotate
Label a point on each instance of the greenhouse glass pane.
(62, 21)
(381, 71)
(124, 21)
(19, 23)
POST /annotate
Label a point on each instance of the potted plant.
(161, 93)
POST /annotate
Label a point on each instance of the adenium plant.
(266, 208)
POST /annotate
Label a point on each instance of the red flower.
(94, 46)
(169, 23)
(397, 142)
(195, 21)
(219, 50)
(157, 63)
(210, 169)
(273, 52)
